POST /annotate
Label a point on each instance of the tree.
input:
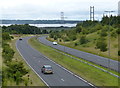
(78, 29)
(16, 71)
(119, 53)
(103, 33)
(118, 31)
(76, 44)
(83, 40)
(73, 37)
(51, 35)
(45, 32)
(23, 29)
(101, 44)
(7, 53)
(55, 38)
(6, 36)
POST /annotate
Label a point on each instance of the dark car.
(46, 69)
(20, 39)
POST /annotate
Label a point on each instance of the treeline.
(24, 29)
(113, 20)
(79, 33)
(13, 71)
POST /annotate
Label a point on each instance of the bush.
(101, 44)
(55, 38)
(7, 53)
(66, 39)
(73, 37)
(114, 34)
(76, 44)
(84, 31)
(51, 35)
(16, 71)
(60, 40)
(118, 31)
(6, 36)
(103, 33)
(78, 29)
(83, 40)
(119, 53)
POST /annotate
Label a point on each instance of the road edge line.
(30, 66)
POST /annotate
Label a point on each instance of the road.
(60, 77)
(105, 62)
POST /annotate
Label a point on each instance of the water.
(46, 25)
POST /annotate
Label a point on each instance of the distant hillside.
(39, 22)
(91, 37)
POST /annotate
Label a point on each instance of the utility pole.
(109, 37)
(62, 21)
(119, 8)
(62, 17)
(92, 13)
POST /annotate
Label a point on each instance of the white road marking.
(32, 67)
(57, 65)
(71, 72)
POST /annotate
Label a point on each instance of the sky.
(51, 9)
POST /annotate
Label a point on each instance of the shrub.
(114, 34)
(118, 31)
(73, 37)
(83, 40)
(16, 71)
(119, 53)
(101, 44)
(6, 36)
(103, 33)
(76, 44)
(78, 29)
(55, 37)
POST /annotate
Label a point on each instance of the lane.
(36, 60)
(105, 62)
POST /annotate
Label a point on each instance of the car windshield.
(48, 67)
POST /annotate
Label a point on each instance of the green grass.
(95, 76)
(90, 46)
(69, 44)
(36, 81)
(114, 72)
(0, 66)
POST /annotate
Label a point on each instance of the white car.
(54, 43)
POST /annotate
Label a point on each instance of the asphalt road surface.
(105, 62)
(36, 60)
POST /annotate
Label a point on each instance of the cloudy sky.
(50, 9)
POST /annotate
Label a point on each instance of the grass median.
(91, 74)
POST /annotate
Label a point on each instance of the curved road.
(105, 62)
(60, 77)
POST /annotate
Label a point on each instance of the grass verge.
(34, 79)
(90, 47)
(114, 72)
(95, 76)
